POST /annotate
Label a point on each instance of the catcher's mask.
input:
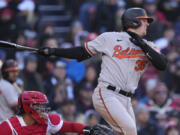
(33, 103)
(131, 18)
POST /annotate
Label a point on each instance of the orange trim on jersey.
(89, 51)
(109, 112)
(121, 57)
(143, 17)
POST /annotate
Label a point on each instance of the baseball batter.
(125, 56)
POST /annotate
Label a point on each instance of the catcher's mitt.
(98, 130)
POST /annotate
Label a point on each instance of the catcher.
(33, 119)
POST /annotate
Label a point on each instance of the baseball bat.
(5, 44)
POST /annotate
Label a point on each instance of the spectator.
(44, 63)
(105, 16)
(49, 30)
(151, 8)
(90, 78)
(27, 8)
(174, 116)
(134, 102)
(63, 85)
(149, 90)
(172, 129)
(92, 117)
(170, 77)
(144, 125)
(161, 122)
(31, 38)
(118, 21)
(170, 8)
(175, 72)
(177, 27)
(50, 42)
(59, 96)
(87, 15)
(84, 101)
(176, 101)
(157, 27)
(44, 32)
(3, 4)
(20, 83)
(8, 92)
(49, 80)
(20, 55)
(75, 70)
(161, 103)
(76, 28)
(80, 38)
(70, 113)
(7, 22)
(150, 73)
(134, 3)
(29, 74)
(164, 41)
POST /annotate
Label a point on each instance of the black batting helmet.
(8, 66)
(131, 18)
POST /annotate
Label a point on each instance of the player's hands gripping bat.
(136, 39)
(46, 51)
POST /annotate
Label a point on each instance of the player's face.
(12, 76)
(143, 28)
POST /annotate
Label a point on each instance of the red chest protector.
(27, 130)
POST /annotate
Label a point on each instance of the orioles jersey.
(123, 62)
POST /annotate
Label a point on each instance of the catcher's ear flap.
(20, 105)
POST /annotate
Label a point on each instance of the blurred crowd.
(69, 84)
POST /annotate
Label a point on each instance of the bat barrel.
(26, 48)
(5, 44)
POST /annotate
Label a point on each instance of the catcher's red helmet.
(32, 102)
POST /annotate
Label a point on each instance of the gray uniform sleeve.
(10, 94)
(96, 46)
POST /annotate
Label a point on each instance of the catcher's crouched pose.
(125, 56)
(33, 119)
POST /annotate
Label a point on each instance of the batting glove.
(46, 51)
(136, 39)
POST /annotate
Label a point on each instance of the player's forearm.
(78, 53)
(72, 127)
(158, 60)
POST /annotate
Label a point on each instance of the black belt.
(127, 94)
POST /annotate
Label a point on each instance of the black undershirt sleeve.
(158, 60)
(78, 53)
